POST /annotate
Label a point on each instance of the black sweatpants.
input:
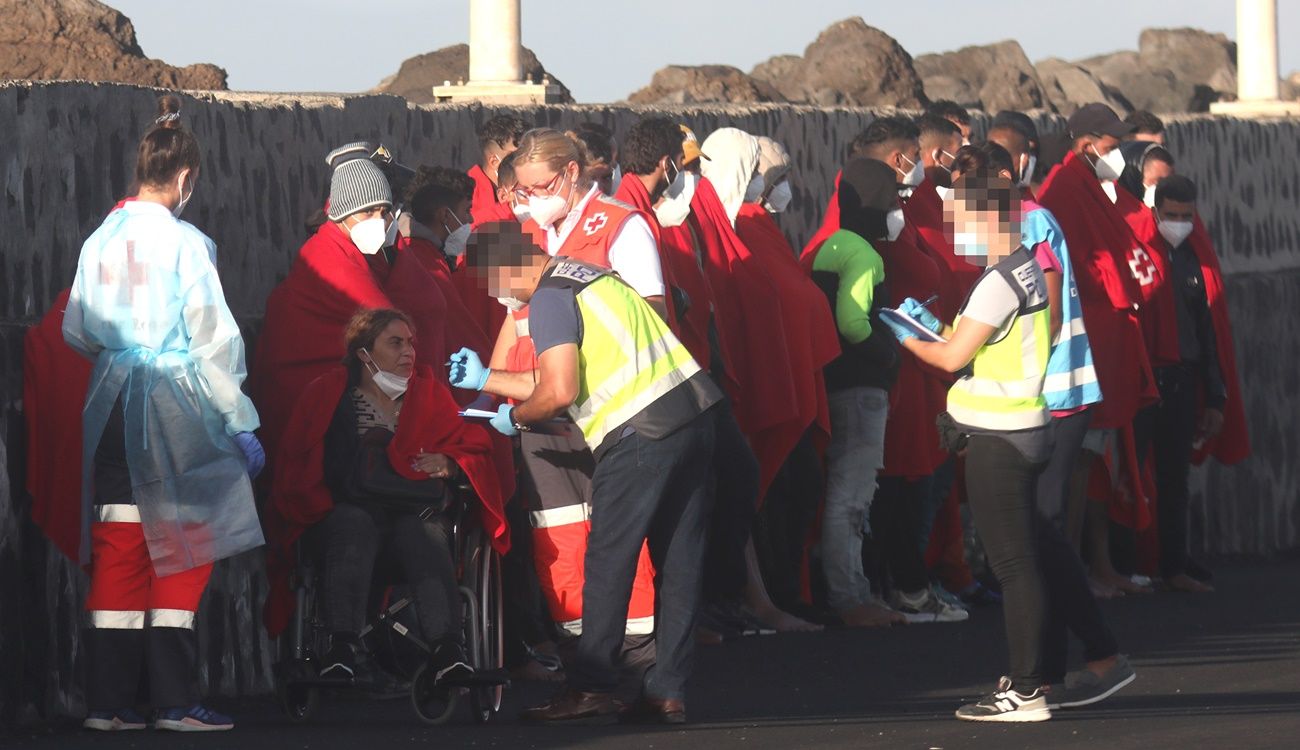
(1000, 484)
(896, 513)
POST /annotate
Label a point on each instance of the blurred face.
(1155, 170)
(980, 236)
(393, 351)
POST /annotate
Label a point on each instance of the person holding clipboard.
(997, 414)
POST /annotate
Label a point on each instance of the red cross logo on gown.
(137, 275)
(595, 223)
(1143, 268)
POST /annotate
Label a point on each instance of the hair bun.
(169, 112)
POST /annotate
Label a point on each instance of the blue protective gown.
(147, 308)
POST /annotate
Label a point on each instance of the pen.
(933, 298)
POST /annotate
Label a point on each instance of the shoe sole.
(599, 720)
(1098, 698)
(181, 725)
(110, 725)
(1011, 717)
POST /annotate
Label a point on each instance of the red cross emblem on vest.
(596, 223)
(1143, 268)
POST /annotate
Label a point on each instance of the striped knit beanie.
(356, 186)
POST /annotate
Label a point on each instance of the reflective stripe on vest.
(628, 359)
(1005, 389)
(117, 513)
(521, 328)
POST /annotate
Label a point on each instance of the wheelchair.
(297, 675)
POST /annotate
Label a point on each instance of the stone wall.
(66, 156)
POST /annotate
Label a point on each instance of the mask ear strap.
(369, 362)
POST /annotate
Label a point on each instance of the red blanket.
(1148, 261)
(810, 330)
(415, 292)
(1100, 244)
(302, 337)
(460, 328)
(300, 497)
(55, 379)
(1232, 444)
(485, 207)
(751, 325)
(830, 225)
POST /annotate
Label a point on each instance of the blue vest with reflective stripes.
(1071, 380)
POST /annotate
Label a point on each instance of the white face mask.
(1027, 174)
(616, 178)
(913, 177)
(369, 235)
(779, 199)
(180, 190)
(676, 204)
(513, 304)
(894, 223)
(393, 386)
(1110, 166)
(755, 189)
(1149, 196)
(548, 209)
(454, 245)
(1175, 232)
(944, 193)
(521, 212)
(967, 245)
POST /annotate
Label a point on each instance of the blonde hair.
(552, 147)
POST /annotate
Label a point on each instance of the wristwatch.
(515, 423)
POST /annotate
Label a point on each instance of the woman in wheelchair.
(363, 480)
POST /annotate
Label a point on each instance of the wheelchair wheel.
(299, 700)
(434, 705)
(490, 652)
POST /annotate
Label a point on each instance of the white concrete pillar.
(1257, 50)
(495, 39)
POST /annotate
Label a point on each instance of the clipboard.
(550, 427)
(907, 321)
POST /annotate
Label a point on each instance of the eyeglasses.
(539, 191)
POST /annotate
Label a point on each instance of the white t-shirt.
(633, 254)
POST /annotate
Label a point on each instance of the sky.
(603, 51)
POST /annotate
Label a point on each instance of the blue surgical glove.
(901, 332)
(466, 370)
(504, 421)
(254, 455)
(921, 315)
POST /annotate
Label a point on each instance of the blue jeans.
(856, 454)
(646, 491)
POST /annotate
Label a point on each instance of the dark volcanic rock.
(849, 64)
(86, 40)
(418, 75)
(695, 84)
(990, 77)
(1069, 86)
(1174, 70)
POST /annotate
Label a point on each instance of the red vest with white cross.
(601, 220)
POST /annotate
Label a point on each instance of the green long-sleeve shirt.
(860, 270)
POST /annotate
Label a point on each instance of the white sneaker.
(1006, 705)
(924, 606)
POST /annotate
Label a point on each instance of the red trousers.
(138, 620)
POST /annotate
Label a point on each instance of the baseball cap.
(691, 146)
(1098, 119)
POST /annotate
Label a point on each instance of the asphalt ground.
(1218, 670)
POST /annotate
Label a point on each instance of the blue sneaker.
(196, 718)
(114, 721)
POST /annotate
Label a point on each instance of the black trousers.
(353, 539)
(1071, 605)
(733, 484)
(1168, 428)
(896, 515)
(1000, 485)
(782, 526)
(646, 491)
